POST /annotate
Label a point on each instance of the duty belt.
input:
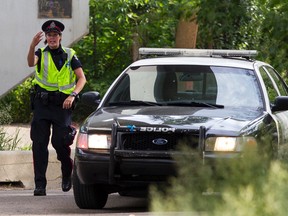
(46, 97)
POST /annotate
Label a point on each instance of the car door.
(275, 86)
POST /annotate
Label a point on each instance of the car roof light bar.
(197, 52)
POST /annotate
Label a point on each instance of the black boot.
(66, 184)
(39, 191)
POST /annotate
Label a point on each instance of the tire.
(88, 196)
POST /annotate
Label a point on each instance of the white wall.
(19, 22)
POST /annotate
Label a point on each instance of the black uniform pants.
(49, 117)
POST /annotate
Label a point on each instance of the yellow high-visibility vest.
(54, 80)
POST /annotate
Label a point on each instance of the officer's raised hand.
(31, 58)
(36, 39)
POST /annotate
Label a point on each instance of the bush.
(19, 102)
(249, 185)
(5, 117)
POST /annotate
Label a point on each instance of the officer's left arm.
(81, 80)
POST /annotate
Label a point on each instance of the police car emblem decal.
(131, 128)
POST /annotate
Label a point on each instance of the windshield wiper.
(134, 103)
(195, 104)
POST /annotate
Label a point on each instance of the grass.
(11, 143)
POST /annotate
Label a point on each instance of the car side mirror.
(91, 98)
(280, 103)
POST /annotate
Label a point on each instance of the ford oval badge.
(160, 141)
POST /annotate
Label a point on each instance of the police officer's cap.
(53, 26)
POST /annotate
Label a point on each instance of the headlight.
(99, 141)
(229, 143)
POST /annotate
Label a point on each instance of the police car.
(217, 102)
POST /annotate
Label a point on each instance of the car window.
(271, 88)
(278, 81)
(231, 87)
(237, 87)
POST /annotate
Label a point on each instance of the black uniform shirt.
(59, 57)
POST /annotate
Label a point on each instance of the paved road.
(21, 202)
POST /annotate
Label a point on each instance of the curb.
(17, 167)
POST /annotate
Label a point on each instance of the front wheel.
(88, 196)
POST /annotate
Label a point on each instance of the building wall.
(19, 22)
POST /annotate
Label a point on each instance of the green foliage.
(248, 185)
(26, 147)
(8, 143)
(224, 24)
(273, 42)
(5, 117)
(19, 102)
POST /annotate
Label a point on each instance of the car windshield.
(187, 85)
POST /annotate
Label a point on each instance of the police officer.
(58, 80)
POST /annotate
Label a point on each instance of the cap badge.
(52, 25)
